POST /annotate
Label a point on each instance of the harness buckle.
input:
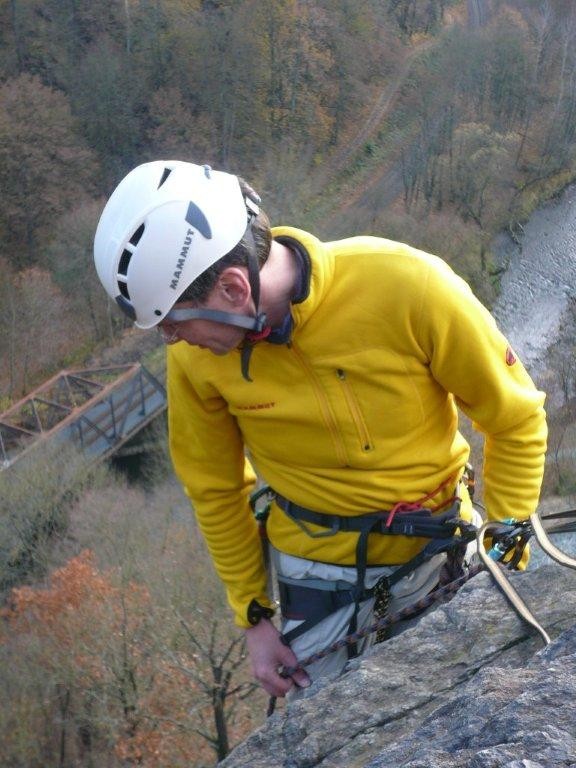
(261, 502)
(332, 530)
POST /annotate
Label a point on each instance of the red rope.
(411, 506)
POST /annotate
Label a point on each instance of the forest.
(478, 127)
(409, 119)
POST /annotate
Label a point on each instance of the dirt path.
(370, 123)
(381, 108)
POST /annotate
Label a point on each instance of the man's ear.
(234, 286)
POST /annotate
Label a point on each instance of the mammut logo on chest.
(256, 406)
(177, 274)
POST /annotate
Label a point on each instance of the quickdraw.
(522, 531)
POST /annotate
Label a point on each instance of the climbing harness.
(315, 599)
(380, 625)
(446, 532)
(508, 530)
(309, 601)
(386, 622)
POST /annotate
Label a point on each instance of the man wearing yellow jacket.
(333, 372)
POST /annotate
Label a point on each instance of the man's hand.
(268, 654)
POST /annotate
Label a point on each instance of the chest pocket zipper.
(354, 408)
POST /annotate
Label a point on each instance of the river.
(532, 310)
(532, 307)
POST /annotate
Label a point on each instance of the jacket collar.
(320, 268)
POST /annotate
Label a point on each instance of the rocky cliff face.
(470, 685)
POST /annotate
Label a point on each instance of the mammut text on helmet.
(181, 259)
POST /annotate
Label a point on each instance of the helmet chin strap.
(260, 319)
(255, 326)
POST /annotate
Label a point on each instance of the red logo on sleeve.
(510, 356)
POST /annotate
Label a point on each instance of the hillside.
(454, 124)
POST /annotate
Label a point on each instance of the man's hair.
(199, 290)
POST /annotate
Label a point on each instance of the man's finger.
(275, 685)
(301, 678)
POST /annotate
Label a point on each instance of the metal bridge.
(95, 409)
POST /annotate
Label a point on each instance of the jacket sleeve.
(470, 358)
(209, 459)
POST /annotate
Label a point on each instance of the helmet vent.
(166, 172)
(124, 262)
(123, 288)
(135, 239)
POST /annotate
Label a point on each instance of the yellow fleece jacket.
(357, 412)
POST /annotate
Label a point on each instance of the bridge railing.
(96, 409)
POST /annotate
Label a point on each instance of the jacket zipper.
(329, 419)
(365, 440)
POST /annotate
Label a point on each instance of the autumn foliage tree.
(105, 684)
(44, 166)
(128, 664)
(36, 321)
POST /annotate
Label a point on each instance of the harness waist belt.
(324, 585)
(419, 522)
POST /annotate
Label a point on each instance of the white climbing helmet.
(165, 224)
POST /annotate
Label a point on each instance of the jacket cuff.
(256, 612)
